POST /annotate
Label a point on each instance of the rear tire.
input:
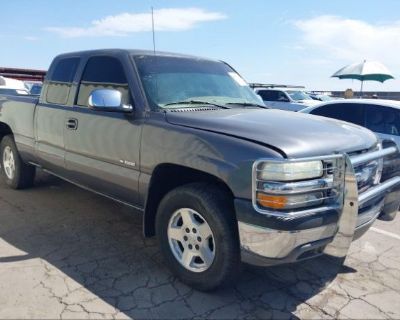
(198, 236)
(14, 171)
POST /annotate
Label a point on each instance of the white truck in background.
(284, 97)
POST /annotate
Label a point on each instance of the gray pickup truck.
(218, 177)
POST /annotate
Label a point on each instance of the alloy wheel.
(191, 240)
(9, 163)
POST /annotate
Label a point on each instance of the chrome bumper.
(264, 246)
(268, 246)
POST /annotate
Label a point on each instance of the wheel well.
(167, 177)
(4, 130)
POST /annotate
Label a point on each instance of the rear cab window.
(57, 86)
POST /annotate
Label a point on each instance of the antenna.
(152, 28)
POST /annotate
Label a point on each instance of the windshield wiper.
(248, 104)
(196, 102)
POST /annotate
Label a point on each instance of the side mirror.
(283, 99)
(109, 100)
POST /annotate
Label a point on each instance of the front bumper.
(270, 240)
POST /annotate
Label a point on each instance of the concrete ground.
(67, 253)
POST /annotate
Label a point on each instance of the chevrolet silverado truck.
(218, 177)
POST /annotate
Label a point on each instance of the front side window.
(173, 80)
(269, 95)
(382, 119)
(282, 97)
(103, 72)
(350, 112)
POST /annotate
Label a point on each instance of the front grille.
(366, 175)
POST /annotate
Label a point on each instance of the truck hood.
(296, 135)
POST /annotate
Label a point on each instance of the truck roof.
(136, 52)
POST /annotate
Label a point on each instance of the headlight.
(290, 187)
(290, 171)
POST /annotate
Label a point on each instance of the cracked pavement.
(69, 254)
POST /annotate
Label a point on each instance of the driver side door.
(102, 148)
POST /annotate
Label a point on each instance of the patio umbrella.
(364, 71)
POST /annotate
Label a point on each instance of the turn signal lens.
(274, 202)
(289, 201)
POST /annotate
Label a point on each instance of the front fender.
(228, 158)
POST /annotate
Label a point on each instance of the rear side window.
(65, 70)
(58, 85)
(350, 112)
(103, 72)
(382, 119)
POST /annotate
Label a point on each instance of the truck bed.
(18, 113)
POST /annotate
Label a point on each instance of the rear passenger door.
(56, 99)
(102, 148)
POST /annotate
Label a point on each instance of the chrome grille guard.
(342, 178)
(352, 200)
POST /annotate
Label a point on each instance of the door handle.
(72, 124)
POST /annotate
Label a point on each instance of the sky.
(286, 42)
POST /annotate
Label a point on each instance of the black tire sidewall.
(224, 231)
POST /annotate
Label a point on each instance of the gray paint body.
(116, 154)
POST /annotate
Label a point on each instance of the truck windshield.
(298, 95)
(169, 82)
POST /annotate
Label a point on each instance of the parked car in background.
(291, 98)
(218, 177)
(33, 87)
(380, 116)
(36, 89)
(13, 92)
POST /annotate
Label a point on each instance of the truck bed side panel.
(18, 114)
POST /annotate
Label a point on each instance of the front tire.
(198, 236)
(14, 171)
